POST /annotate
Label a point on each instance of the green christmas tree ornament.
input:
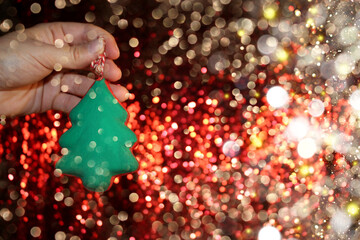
(98, 145)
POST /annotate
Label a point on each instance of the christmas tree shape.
(98, 145)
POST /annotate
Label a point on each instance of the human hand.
(33, 64)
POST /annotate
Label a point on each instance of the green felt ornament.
(98, 145)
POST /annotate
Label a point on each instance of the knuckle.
(75, 54)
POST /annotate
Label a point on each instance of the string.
(97, 66)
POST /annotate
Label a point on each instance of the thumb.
(76, 56)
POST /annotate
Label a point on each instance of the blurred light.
(354, 100)
(231, 149)
(256, 141)
(277, 97)
(348, 35)
(192, 104)
(344, 64)
(307, 148)
(305, 170)
(267, 44)
(297, 128)
(341, 143)
(270, 12)
(35, 8)
(316, 108)
(269, 233)
(318, 14)
(281, 54)
(340, 222)
(353, 209)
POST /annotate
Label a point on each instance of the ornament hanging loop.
(97, 66)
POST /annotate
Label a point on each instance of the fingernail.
(97, 46)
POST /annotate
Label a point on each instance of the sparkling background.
(247, 116)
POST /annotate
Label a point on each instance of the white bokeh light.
(267, 44)
(316, 108)
(318, 13)
(269, 233)
(277, 97)
(341, 142)
(344, 64)
(297, 128)
(306, 148)
(354, 50)
(354, 100)
(348, 35)
(231, 148)
(340, 221)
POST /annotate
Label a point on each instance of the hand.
(33, 63)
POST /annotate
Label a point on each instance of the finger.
(111, 71)
(77, 33)
(79, 85)
(75, 84)
(70, 57)
(50, 90)
(21, 101)
(65, 102)
(119, 92)
(87, 32)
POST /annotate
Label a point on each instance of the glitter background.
(219, 159)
